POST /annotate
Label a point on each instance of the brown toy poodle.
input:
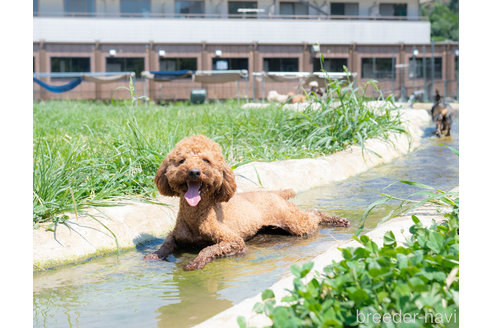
(212, 216)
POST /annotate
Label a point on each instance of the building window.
(393, 9)
(177, 64)
(281, 64)
(79, 7)
(416, 69)
(344, 9)
(378, 68)
(128, 64)
(330, 64)
(194, 8)
(293, 9)
(35, 7)
(135, 8)
(236, 6)
(229, 63)
(70, 64)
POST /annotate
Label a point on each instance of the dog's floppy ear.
(161, 182)
(228, 187)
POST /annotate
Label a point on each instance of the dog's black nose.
(194, 173)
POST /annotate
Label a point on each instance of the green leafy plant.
(134, 98)
(416, 285)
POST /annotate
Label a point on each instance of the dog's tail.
(286, 193)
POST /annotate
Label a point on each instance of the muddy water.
(126, 291)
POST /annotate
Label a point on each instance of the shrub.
(394, 283)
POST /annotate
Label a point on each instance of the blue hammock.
(171, 75)
(59, 88)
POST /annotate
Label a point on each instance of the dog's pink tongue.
(192, 196)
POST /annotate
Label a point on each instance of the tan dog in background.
(294, 99)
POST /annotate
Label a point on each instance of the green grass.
(86, 152)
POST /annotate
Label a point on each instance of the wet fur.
(223, 220)
(442, 115)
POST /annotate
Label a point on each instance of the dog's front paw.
(152, 257)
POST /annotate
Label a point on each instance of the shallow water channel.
(126, 291)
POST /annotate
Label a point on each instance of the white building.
(370, 37)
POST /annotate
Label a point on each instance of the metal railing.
(225, 16)
(76, 74)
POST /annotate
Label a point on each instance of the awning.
(304, 77)
(219, 76)
(59, 88)
(164, 76)
(278, 78)
(106, 79)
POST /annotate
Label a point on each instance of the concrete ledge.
(304, 174)
(138, 222)
(84, 237)
(400, 227)
(428, 106)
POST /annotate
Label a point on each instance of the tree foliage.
(444, 19)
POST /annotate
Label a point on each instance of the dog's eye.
(206, 160)
(182, 161)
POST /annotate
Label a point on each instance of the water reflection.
(197, 292)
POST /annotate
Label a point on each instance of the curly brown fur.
(211, 214)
